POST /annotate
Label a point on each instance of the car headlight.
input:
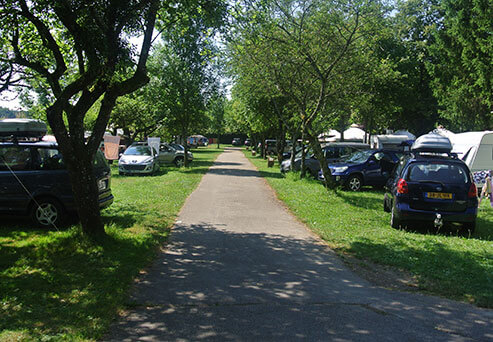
(122, 162)
(147, 161)
(340, 169)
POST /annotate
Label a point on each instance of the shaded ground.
(240, 267)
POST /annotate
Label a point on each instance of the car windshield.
(358, 157)
(308, 153)
(138, 151)
(438, 172)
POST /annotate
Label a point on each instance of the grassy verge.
(57, 285)
(444, 264)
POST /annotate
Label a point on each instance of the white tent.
(354, 134)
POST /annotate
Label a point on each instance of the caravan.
(475, 149)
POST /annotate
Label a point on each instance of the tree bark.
(86, 194)
(317, 151)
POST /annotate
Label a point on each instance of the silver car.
(138, 159)
(173, 154)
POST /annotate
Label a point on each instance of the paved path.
(240, 267)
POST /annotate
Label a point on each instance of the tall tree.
(77, 52)
(306, 48)
(462, 66)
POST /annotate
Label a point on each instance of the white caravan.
(475, 149)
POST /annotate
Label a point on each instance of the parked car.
(432, 185)
(365, 167)
(248, 142)
(333, 152)
(236, 142)
(138, 159)
(173, 154)
(270, 146)
(34, 182)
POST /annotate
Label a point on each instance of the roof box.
(432, 142)
(22, 128)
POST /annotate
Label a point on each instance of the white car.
(138, 159)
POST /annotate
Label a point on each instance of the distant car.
(432, 185)
(333, 152)
(236, 142)
(173, 154)
(138, 159)
(248, 142)
(365, 167)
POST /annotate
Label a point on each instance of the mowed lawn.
(354, 223)
(57, 285)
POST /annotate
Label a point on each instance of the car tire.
(47, 212)
(386, 206)
(179, 161)
(354, 183)
(394, 221)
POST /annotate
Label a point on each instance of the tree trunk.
(280, 142)
(319, 154)
(303, 153)
(293, 148)
(86, 194)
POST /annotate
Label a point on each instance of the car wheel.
(179, 162)
(354, 183)
(394, 221)
(47, 212)
(468, 228)
(386, 206)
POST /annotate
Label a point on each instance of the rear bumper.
(105, 199)
(405, 213)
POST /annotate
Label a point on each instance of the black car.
(236, 142)
(432, 185)
(35, 182)
(333, 152)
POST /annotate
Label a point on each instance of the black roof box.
(432, 142)
(22, 128)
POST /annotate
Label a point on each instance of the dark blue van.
(35, 182)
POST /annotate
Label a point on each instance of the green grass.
(445, 264)
(57, 285)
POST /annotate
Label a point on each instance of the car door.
(371, 169)
(166, 154)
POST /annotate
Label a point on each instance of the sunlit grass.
(445, 264)
(58, 285)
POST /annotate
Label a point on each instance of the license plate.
(439, 195)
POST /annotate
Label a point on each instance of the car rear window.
(438, 172)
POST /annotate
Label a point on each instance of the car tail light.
(402, 187)
(473, 191)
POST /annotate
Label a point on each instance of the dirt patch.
(383, 276)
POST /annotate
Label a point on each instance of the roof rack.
(432, 143)
(22, 129)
